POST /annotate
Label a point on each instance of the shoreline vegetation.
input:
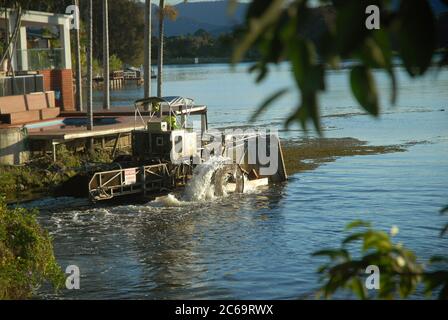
(26, 255)
(43, 177)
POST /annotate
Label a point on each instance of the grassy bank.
(42, 176)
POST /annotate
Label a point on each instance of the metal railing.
(40, 59)
(107, 184)
(10, 86)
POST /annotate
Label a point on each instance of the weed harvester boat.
(174, 141)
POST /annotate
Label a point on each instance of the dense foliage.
(26, 255)
(400, 272)
(202, 44)
(280, 30)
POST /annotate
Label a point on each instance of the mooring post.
(116, 144)
(144, 180)
(54, 150)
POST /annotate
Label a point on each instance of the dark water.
(259, 245)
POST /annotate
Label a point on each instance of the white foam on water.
(168, 201)
(200, 187)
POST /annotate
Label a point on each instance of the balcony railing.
(40, 59)
(21, 85)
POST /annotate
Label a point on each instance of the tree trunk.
(147, 52)
(89, 66)
(78, 61)
(160, 52)
(11, 35)
(106, 72)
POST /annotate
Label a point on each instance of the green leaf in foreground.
(364, 89)
(416, 35)
(262, 108)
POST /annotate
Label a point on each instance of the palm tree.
(89, 66)
(78, 61)
(147, 51)
(171, 13)
(106, 96)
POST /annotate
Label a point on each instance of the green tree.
(115, 63)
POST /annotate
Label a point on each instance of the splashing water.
(199, 188)
(168, 201)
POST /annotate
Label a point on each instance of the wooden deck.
(124, 122)
(61, 132)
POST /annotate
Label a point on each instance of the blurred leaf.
(332, 253)
(322, 268)
(260, 15)
(353, 237)
(372, 55)
(257, 8)
(302, 54)
(436, 279)
(443, 294)
(262, 108)
(416, 35)
(231, 7)
(358, 288)
(357, 224)
(350, 25)
(407, 285)
(444, 210)
(309, 78)
(272, 45)
(383, 41)
(364, 89)
(376, 240)
(444, 230)
(300, 115)
(444, 60)
(438, 259)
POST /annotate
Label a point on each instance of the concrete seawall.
(13, 146)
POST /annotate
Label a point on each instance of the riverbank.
(41, 177)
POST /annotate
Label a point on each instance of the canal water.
(259, 245)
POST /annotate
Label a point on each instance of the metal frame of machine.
(155, 168)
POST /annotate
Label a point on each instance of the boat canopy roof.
(176, 102)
